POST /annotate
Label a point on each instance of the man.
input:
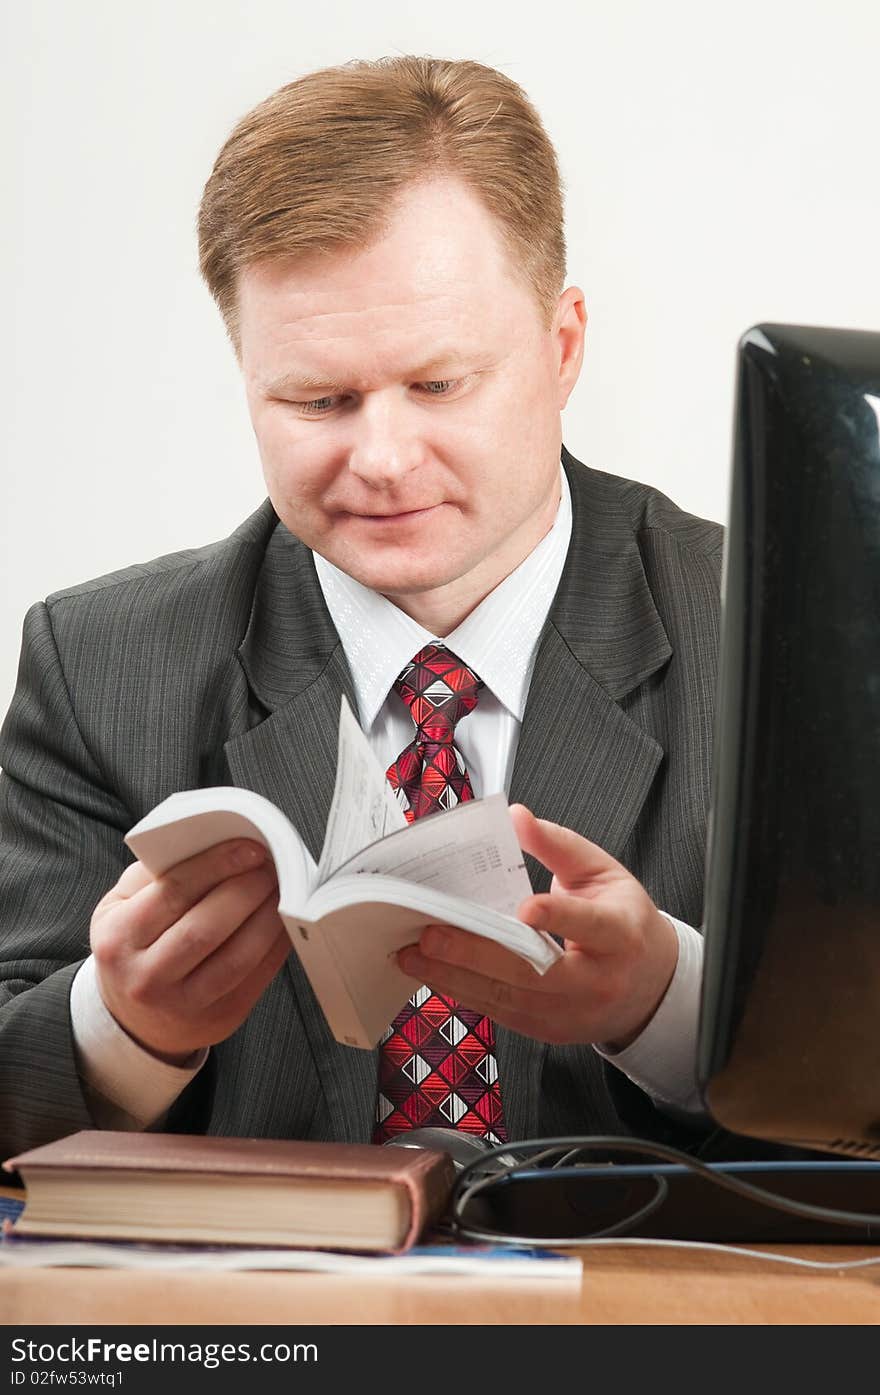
(385, 244)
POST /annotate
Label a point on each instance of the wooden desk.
(620, 1285)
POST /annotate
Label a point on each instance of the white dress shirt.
(499, 640)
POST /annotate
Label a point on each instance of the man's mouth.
(398, 515)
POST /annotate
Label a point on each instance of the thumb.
(572, 859)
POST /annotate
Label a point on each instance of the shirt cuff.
(128, 1087)
(662, 1060)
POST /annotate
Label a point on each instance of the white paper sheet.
(499, 1261)
(363, 808)
(471, 852)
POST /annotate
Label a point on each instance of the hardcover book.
(183, 1188)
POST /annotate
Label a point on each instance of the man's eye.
(318, 406)
(438, 386)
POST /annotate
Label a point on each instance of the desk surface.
(620, 1284)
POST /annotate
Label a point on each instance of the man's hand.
(620, 952)
(182, 958)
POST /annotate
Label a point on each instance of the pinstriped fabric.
(221, 666)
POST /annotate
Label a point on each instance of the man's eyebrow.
(448, 365)
(442, 365)
(300, 382)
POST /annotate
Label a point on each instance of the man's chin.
(398, 583)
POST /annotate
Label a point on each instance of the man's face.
(406, 401)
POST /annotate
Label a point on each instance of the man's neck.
(442, 611)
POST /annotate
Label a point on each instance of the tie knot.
(439, 690)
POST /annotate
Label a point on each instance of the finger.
(466, 951)
(134, 879)
(153, 908)
(238, 1001)
(522, 1008)
(592, 926)
(233, 964)
(574, 860)
(209, 924)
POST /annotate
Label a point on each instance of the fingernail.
(409, 961)
(436, 943)
(248, 855)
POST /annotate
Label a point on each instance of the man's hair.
(317, 166)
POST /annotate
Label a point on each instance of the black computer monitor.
(789, 1046)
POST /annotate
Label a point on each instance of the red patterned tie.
(437, 1064)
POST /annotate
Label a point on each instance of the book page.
(363, 809)
(471, 852)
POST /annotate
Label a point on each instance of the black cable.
(475, 1178)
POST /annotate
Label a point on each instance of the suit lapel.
(297, 671)
(581, 761)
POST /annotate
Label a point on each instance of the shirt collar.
(498, 640)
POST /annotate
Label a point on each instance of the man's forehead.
(317, 304)
(294, 336)
(439, 268)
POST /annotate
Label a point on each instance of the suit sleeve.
(61, 849)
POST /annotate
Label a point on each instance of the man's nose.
(385, 444)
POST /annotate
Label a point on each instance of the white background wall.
(721, 170)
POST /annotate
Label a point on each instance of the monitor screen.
(789, 1045)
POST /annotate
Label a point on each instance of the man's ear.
(569, 327)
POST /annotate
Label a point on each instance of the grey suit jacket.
(221, 666)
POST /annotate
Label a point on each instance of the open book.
(379, 880)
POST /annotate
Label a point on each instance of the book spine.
(429, 1190)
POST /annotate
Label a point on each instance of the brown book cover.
(186, 1187)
